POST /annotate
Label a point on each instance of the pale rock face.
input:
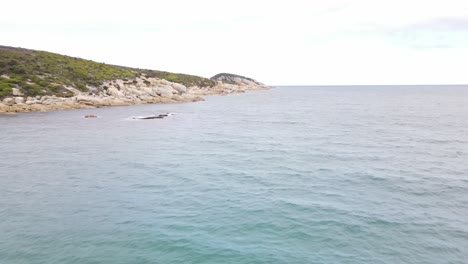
(9, 101)
(112, 91)
(135, 91)
(166, 82)
(149, 91)
(51, 100)
(176, 97)
(46, 102)
(87, 100)
(3, 108)
(179, 88)
(32, 101)
(165, 91)
(16, 92)
(73, 90)
(146, 98)
(19, 100)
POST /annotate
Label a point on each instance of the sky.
(294, 42)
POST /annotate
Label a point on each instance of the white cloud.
(277, 42)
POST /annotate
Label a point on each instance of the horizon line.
(338, 85)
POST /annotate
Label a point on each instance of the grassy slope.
(44, 73)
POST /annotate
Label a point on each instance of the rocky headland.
(41, 81)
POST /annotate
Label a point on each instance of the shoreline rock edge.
(119, 92)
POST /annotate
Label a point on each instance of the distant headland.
(32, 80)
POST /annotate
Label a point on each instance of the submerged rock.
(150, 117)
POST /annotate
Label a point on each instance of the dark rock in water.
(90, 116)
(160, 116)
(150, 117)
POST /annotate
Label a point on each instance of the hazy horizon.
(365, 85)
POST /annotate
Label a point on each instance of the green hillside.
(44, 73)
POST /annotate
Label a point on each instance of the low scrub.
(44, 73)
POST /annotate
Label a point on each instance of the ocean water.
(289, 175)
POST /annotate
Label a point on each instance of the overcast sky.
(275, 42)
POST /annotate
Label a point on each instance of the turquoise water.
(289, 175)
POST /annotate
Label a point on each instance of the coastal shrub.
(18, 69)
(81, 86)
(65, 93)
(2, 65)
(185, 79)
(60, 91)
(13, 62)
(5, 89)
(53, 87)
(42, 83)
(13, 80)
(32, 90)
(44, 68)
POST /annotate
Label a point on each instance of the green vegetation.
(185, 79)
(5, 89)
(44, 73)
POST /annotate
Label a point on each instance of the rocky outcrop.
(120, 92)
(235, 79)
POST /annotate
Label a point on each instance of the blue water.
(288, 175)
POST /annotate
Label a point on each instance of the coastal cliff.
(40, 81)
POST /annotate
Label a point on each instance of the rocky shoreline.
(121, 92)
